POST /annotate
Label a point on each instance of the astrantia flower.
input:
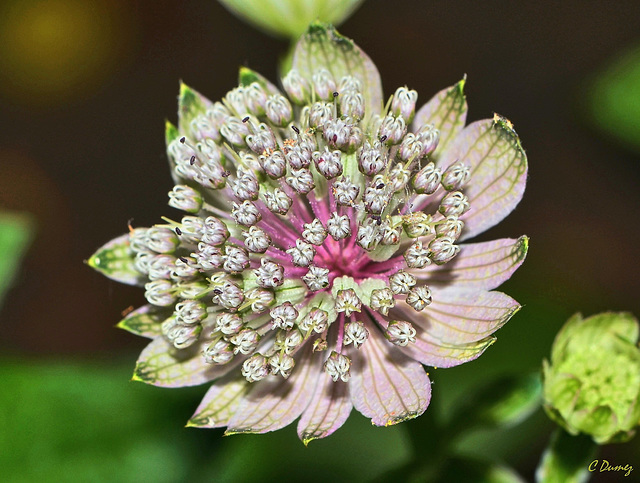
(592, 384)
(319, 265)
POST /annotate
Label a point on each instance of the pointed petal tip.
(507, 127)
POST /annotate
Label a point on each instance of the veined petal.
(274, 403)
(447, 111)
(220, 403)
(386, 385)
(478, 266)
(145, 321)
(492, 150)
(191, 104)
(456, 328)
(322, 47)
(115, 260)
(329, 408)
(160, 364)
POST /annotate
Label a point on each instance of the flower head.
(320, 261)
(592, 384)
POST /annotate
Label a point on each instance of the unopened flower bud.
(185, 198)
(419, 297)
(255, 368)
(427, 180)
(443, 250)
(455, 176)
(454, 204)
(337, 366)
(400, 333)
(355, 333)
(401, 282)
(404, 103)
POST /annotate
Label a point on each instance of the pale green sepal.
(567, 459)
(322, 47)
(191, 104)
(115, 261)
(322, 301)
(145, 321)
(362, 289)
(246, 77)
(219, 404)
(290, 18)
(447, 111)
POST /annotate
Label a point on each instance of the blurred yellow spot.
(53, 49)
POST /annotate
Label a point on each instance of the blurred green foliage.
(16, 231)
(614, 99)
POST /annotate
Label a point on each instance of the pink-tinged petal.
(478, 266)
(220, 403)
(191, 104)
(386, 385)
(492, 150)
(329, 408)
(161, 364)
(455, 328)
(322, 47)
(115, 260)
(447, 111)
(145, 321)
(274, 403)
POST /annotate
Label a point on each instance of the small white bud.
(400, 333)
(427, 180)
(320, 113)
(404, 103)
(278, 110)
(337, 366)
(339, 227)
(281, 364)
(283, 316)
(296, 87)
(274, 164)
(417, 255)
(302, 254)
(401, 282)
(191, 229)
(316, 278)
(348, 302)
(255, 99)
(392, 129)
(181, 335)
(185, 198)
(208, 257)
(301, 180)
(234, 130)
(245, 186)
(382, 300)
(443, 250)
(255, 368)
(345, 192)
(419, 297)
(228, 324)
(278, 201)
(160, 293)
(450, 227)
(314, 232)
(270, 274)
(454, 204)
(316, 320)
(235, 259)
(161, 266)
(323, 84)
(219, 352)
(429, 136)
(214, 231)
(260, 299)
(245, 341)
(190, 311)
(355, 333)
(328, 163)
(371, 159)
(229, 296)
(161, 240)
(256, 240)
(455, 176)
(262, 140)
(246, 214)
(337, 133)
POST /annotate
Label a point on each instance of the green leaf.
(290, 18)
(16, 231)
(567, 459)
(115, 260)
(145, 321)
(504, 402)
(322, 47)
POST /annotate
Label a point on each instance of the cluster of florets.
(284, 195)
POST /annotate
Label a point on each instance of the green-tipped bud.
(592, 384)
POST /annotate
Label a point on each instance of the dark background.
(83, 105)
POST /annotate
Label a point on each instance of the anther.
(182, 139)
(295, 129)
(183, 259)
(246, 119)
(178, 231)
(383, 138)
(192, 161)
